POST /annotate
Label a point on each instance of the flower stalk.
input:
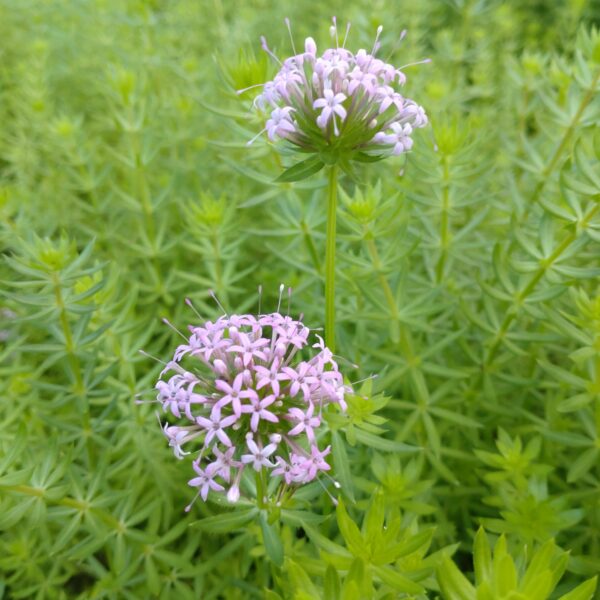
(341, 107)
(330, 258)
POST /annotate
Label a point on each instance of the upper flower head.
(245, 400)
(340, 104)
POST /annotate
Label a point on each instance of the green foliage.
(467, 283)
(498, 575)
(387, 555)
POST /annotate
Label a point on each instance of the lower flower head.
(242, 396)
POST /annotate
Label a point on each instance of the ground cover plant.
(458, 453)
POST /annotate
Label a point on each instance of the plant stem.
(74, 363)
(387, 290)
(330, 259)
(555, 158)
(399, 332)
(444, 224)
(310, 244)
(141, 191)
(552, 163)
(67, 334)
(533, 281)
(260, 490)
(220, 288)
(80, 505)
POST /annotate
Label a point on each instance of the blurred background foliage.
(468, 281)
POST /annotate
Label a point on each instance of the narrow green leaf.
(271, 540)
(454, 417)
(379, 443)
(331, 585)
(584, 165)
(299, 579)
(367, 158)
(349, 530)
(341, 464)
(582, 464)
(357, 574)
(300, 518)
(152, 576)
(373, 522)
(538, 587)
(482, 556)
(226, 522)
(325, 543)
(505, 575)
(396, 580)
(301, 170)
(350, 591)
(413, 543)
(578, 186)
(585, 591)
(574, 403)
(540, 562)
(12, 516)
(453, 584)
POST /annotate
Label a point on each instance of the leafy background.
(468, 282)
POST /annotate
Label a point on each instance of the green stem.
(330, 259)
(141, 190)
(387, 290)
(140, 184)
(555, 158)
(260, 489)
(68, 334)
(531, 285)
(398, 330)
(220, 288)
(80, 505)
(74, 363)
(587, 98)
(552, 163)
(310, 244)
(445, 223)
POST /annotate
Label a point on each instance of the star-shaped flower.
(258, 410)
(258, 457)
(305, 422)
(233, 394)
(215, 427)
(332, 105)
(205, 481)
(316, 462)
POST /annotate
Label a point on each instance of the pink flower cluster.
(340, 99)
(247, 400)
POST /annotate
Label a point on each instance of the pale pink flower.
(301, 378)
(233, 394)
(239, 399)
(316, 462)
(305, 422)
(205, 481)
(280, 123)
(258, 457)
(214, 426)
(270, 377)
(332, 104)
(257, 409)
(224, 463)
(351, 98)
